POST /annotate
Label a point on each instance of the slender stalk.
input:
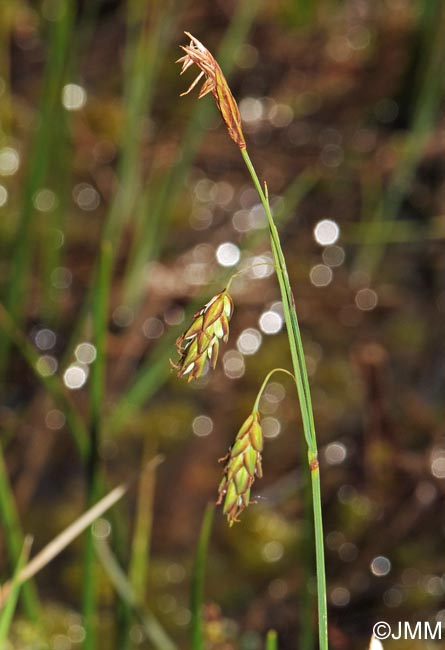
(266, 381)
(302, 384)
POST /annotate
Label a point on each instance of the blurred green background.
(124, 208)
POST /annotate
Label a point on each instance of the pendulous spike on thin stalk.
(243, 465)
(215, 83)
(201, 340)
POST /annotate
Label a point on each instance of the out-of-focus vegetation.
(122, 209)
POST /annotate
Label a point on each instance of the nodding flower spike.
(242, 465)
(201, 340)
(214, 83)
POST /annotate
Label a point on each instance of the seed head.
(201, 340)
(215, 83)
(243, 464)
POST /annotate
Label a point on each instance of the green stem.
(266, 381)
(304, 397)
(246, 268)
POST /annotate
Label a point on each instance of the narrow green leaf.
(7, 612)
(272, 640)
(156, 204)
(97, 387)
(14, 538)
(198, 579)
(60, 32)
(140, 548)
(63, 539)
(52, 383)
(153, 630)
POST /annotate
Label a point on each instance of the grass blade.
(272, 640)
(155, 212)
(153, 630)
(142, 530)
(142, 63)
(52, 383)
(61, 541)
(198, 578)
(60, 37)
(7, 612)
(427, 104)
(100, 313)
(100, 321)
(14, 536)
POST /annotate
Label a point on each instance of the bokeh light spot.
(153, 328)
(321, 275)
(74, 97)
(233, 363)
(9, 161)
(74, 377)
(380, 566)
(45, 339)
(202, 425)
(326, 232)
(366, 299)
(85, 353)
(270, 322)
(3, 195)
(55, 419)
(46, 365)
(273, 551)
(340, 596)
(335, 453)
(271, 427)
(333, 256)
(228, 254)
(249, 341)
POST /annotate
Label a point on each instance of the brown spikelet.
(215, 83)
(201, 340)
(242, 465)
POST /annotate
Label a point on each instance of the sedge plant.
(210, 326)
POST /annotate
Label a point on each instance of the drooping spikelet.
(243, 464)
(201, 340)
(214, 83)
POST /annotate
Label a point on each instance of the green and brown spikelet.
(215, 83)
(243, 464)
(201, 340)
